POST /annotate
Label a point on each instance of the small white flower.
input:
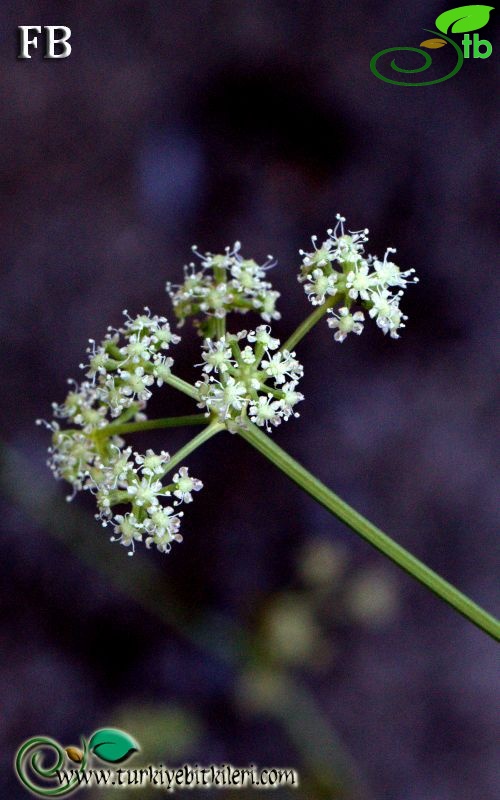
(139, 323)
(227, 397)
(266, 305)
(217, 356)
(216, 300)
(136, 383)
(151, 463)
(248, 355)
(90, 418)
(98, 361)
(319, 286)
(127, 530)
(389, 274)
(290, 399)
(112, 394)
(80, 399)
(164, 337)
(235, 337)
(359, 281)
(344, 323)
(385, 308)
(320, 256)
(265, 412)
(115, 473)
(194, 286)
(248, 276)
(347, 247)
(71, 457)
(262, 335)
(145, 491)
(382, 304)
(103, 500)
(394, 322)
(184, 484)
(282, 365)
(137, 349)
(162, 368)
(163, 526)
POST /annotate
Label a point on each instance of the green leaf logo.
(464, 19)
(112, 745)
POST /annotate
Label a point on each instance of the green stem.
(201, 438)
(182, 386)
(152, 424)
(220, 327)
(309, 323)
(372, 534)
(220, 276)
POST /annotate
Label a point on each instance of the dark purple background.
(173, 123)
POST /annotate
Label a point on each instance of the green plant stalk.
(219, 322)
(119, 429)
(308, 323)
(182, 386)
(370, 532)
(220, 327)
(333, 503)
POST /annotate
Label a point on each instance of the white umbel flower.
(184, 485)
(162, 526)
(388, 274)
(121, 371)
(254, 384)
(145, 491)
(344, 323)
(283, 365)
(359, 281)
(320, 286)
(152, 463)
(247, 378)
(341, 269)
(217, 356)
(385, 310)
(227, 283)
(136, 383)
(319, 257)
(262, 335)
(127, 531)
(265, 411)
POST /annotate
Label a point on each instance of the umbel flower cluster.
(340, 269)
(90, 456)
(248, 378)
(220, 284)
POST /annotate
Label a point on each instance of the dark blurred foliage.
(208, 122)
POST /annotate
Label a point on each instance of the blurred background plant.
(290, 639)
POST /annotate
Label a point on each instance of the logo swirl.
(30, 766)
(427, 63)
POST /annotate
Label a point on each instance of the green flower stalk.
(249, 384)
